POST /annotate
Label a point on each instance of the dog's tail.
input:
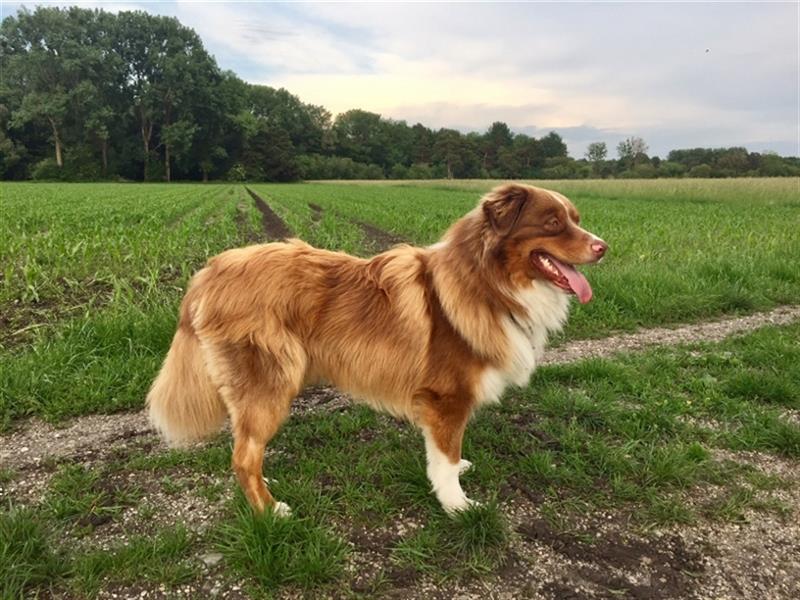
(183, 402)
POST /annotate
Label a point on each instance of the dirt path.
(275, 227)
(708, 331)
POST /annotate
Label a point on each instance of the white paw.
(464, 466)
(281, 509)
(463, 504)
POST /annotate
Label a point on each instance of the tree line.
(91, 95)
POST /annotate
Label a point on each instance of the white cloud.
(273, 40)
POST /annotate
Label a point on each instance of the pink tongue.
(576, 281)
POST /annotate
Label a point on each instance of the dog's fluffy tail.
(183, 402)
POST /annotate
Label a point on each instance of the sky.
(678, 74)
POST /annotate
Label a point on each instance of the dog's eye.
(553, 223)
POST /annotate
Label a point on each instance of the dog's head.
(536, 234)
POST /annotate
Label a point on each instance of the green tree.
(495, 140)
(552, 146)
(632, 151)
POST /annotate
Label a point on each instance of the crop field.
(670, 472)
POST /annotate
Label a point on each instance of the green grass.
(86, 496)
(160, 559)
(93, 274)
(271, 551)
(27, 559)
(471, 543)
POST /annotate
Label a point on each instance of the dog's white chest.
(547, 308)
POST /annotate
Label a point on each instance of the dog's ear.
(503, 206)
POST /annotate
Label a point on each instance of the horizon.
(676, 75)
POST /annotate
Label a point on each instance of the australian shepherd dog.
(426, 334)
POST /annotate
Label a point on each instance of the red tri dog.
(427, 334)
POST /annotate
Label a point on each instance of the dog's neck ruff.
(546, 308)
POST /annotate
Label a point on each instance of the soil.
(316, 212)
(600, 556)
(275, 227)
(378, 239)
(247, 234)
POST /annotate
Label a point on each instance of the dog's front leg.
(443, 437)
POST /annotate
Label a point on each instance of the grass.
(472, 543)
(272, 551)
(27, 560)
(92, 281)
(86, 496)
(160, 559)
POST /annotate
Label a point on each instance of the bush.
(700, 171)
(398, 171)
(46, 170)
(79, 165)
(671, 169)
(236, 173)
(317, 166)
(420, 171)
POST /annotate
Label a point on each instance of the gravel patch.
(709, 331)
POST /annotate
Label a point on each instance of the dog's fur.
(427, 334)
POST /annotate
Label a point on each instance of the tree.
(44, 66)
(596, 153)
(359, 134)
(526, 153)
(497, 138)
(632, 150)
(422, 144)
(168, 74)
(552, 146)
(447, 149)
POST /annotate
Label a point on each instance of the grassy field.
(91, 280)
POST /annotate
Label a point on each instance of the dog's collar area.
(524, 329)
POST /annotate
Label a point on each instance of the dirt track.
(274, 227)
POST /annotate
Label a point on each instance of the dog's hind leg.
(443, 420)
(258, 393)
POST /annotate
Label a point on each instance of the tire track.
(274, 227)
(377, 239)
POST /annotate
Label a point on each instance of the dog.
(426, 334)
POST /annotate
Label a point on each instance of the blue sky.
(677, 74)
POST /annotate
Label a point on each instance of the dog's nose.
(599, 248)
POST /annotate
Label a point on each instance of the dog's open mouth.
(562, 275)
